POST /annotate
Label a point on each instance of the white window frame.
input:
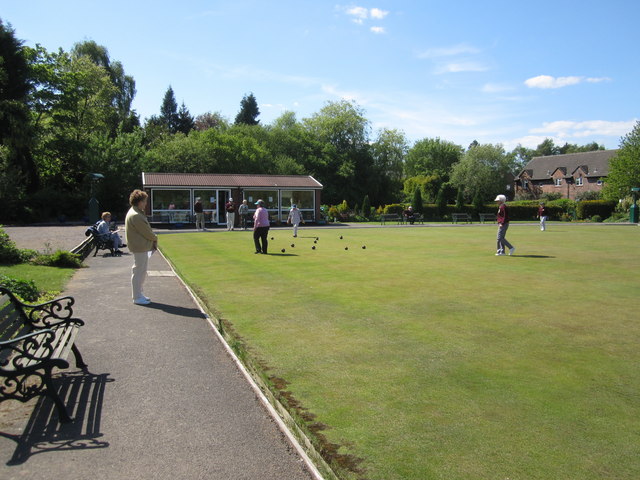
(579, 181)
(558, 182)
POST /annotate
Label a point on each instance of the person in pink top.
(261, 227)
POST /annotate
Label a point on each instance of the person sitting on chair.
(106, 234)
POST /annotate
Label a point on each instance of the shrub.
(417, 201)
(366, 206)
(550, 197)
(617, 217)
(589, 195)
(61, 259)
(396, 208)
(9, 253)
(589, 208)
(596, 218)
(25, 289)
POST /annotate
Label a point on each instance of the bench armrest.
(51, 313)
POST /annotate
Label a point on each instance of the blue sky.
(496, 71)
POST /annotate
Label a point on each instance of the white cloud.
(453, 50)
(377, 13)
(598, 79)
(360, 14)
(458, 67)
(378, 30)
(565, 128)
(547, 81)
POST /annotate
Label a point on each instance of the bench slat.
(61, 344)
(12, 326)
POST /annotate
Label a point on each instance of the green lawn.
(46, 278)
(430, 358)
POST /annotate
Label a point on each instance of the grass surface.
(430, 358)
(46, 278)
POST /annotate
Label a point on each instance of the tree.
(460, 199)
(485, 169)
(16, 132)
(169, 111)
(73, 102)
(417, 201)
(184, 121)
(209, 120)
(346, 168)
(441, 202)
(432, 156)
(429, 185)
(366, 207)
(389, 152)
(124, 85)
(624, 167)
(249, 112)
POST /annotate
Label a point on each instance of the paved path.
(164, 400)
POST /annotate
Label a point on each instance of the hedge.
(589, 208)
(526, 210)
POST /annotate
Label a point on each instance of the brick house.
(567, 174)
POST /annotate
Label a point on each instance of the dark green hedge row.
(589, 208)
(524, 211)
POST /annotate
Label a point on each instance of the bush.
(550, 197)
(617, 217)
(366, 206)
(589, 195)
(25, 289)
(589, 208)
(396, 208)
(596, 218)
(61, 259)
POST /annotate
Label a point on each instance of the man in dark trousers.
(503, 225)
(198, 210)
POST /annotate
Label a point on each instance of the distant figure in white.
(295, 217)
(543, 214)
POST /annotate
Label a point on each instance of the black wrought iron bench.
(487, 216)
(458, 217)
(35, 339)
(100, 242)
(390, 217)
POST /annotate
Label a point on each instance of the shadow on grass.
(533, 256)
(84, 394)
(282, 254)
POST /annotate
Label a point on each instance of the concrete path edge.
(318, 467)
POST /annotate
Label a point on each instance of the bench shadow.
(176, 310)
(83, 394)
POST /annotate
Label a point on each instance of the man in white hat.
(295, 217)
(503, 225)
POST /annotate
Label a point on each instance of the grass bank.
(428, 357)
(47, 279)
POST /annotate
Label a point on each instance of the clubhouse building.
(172, 196)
